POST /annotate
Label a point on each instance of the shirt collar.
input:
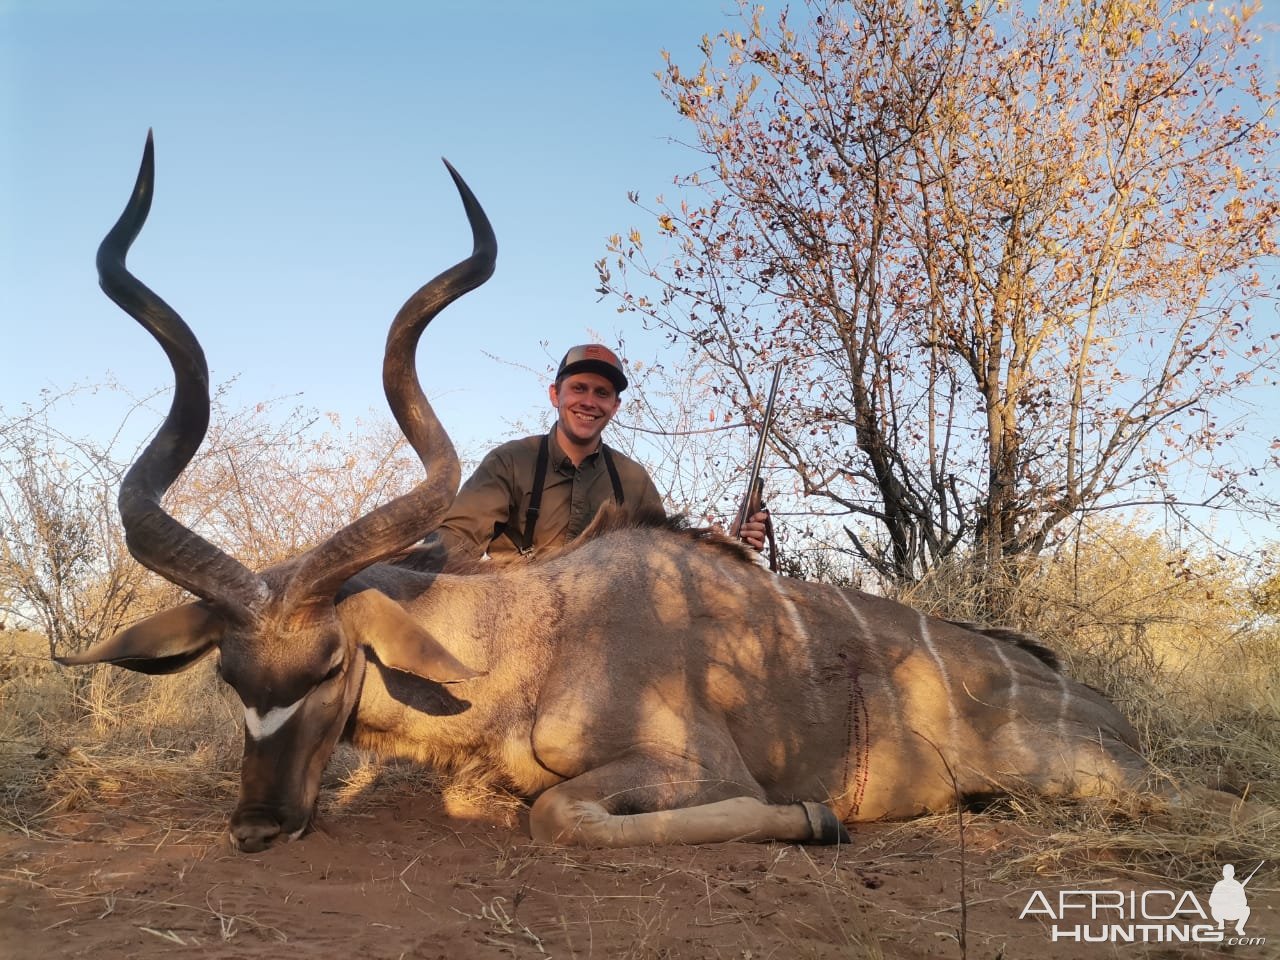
(560, 460)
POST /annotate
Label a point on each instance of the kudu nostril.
(253, 834)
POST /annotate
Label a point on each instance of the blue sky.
(300, 196)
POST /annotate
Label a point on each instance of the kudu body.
(647, 684)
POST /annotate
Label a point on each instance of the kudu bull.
(646, 685)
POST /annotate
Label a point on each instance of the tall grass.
(73, 742)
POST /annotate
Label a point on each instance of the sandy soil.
(403, 880)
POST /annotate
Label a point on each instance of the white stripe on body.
(801, 633)
(1062, 705)
(886, 678)
(946, 681)
(263, 726)
(1015, 688)
(857, 614)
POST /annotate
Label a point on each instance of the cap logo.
(596, 352)
(595, 358)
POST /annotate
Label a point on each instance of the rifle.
(1250, 876)
(753, 502)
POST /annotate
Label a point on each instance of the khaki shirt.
(495, 500)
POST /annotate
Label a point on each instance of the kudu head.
(290, 640)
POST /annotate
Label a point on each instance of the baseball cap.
(593, 358)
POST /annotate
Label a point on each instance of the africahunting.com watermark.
(1149, 916)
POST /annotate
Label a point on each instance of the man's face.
(586, 403)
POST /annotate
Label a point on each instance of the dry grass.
(1152, 844)
(677, 902)
(75, 746)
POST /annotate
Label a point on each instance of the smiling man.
(542, 491)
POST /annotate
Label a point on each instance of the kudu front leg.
(583, 812)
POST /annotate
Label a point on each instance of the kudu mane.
(1020, 640)
(613, 519)
(609, 521)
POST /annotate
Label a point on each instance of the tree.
(1009, 252)
(265, 485)
(268, 484)
(64, 568)
(665, 422)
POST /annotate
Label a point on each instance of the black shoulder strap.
(525, 545)
(535, 495)
(614, 479)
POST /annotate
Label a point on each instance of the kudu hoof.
(824, 826)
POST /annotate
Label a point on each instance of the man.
(540, 492)
(1228, 900)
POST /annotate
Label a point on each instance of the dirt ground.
(403, 880)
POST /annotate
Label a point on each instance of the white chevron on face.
(262, 726)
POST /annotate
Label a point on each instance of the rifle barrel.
(757, 462)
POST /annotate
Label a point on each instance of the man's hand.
(753, 532)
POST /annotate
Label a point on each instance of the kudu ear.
(164, 643)
(379, 623)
